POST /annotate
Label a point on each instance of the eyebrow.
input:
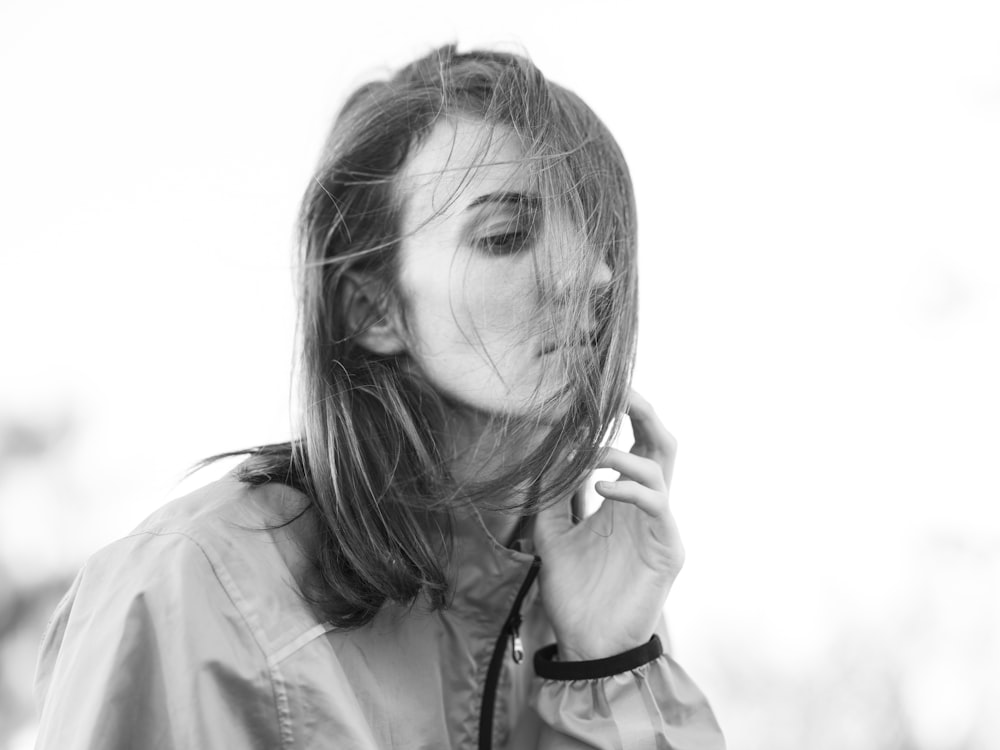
(505, 197)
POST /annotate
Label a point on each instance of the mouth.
(585, 340)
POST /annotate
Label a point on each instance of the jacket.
(191, 633)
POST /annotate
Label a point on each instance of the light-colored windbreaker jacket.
(190, 633)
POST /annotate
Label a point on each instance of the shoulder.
(225, 508)
(227, 555)
(196, 612)
(163, 625)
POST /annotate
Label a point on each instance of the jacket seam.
(301, 641)
(74, 584)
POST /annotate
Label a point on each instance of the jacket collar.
(484, 574)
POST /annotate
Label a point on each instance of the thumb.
(553, 521)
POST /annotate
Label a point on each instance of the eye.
(505, 243)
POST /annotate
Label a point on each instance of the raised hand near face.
(604, 581)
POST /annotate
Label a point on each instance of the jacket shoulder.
(256, 540)
(226, 547)
(226, 506)
(196, 613)
(148, 638)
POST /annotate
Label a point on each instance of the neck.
(476, 448)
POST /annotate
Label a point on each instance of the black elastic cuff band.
(595, 669)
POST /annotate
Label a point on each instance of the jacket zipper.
(510, 630)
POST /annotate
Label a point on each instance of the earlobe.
(372, 318)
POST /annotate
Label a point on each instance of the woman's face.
(483, 273)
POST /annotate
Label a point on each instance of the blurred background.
(819, 205)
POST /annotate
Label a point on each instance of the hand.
(604, 581)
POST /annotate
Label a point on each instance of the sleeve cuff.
(595, 669)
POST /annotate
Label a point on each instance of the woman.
(467, 331)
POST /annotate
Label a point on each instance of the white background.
(819, 205)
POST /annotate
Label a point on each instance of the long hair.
(368, 451)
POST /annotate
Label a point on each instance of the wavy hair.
(367, 450)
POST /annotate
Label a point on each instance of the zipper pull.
(516, 646)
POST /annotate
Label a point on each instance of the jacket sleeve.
(147, 649)
(638, 700)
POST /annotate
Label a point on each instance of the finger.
(649, 501)
(647, 428)
(641, 469)
(653, 505)
(651, 438)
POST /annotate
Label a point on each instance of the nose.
(570, 274)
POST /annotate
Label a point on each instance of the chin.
(545, 407)
(549, 410)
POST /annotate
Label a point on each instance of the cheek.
(500, 303)
(476, 326)
(476, 334)
(481, 308)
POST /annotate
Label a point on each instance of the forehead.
(460, 160)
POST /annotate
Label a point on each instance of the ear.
(372, 315)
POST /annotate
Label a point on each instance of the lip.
(583, 341)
